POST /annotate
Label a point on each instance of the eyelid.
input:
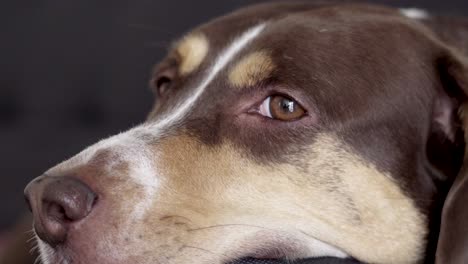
(168, 64)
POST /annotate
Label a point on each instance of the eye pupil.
(285, 109)
(287, 105)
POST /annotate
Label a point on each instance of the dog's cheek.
(328, 192)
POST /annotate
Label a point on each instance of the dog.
(283, 131)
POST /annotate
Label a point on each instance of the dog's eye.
(281, 108)
(162, 84)
(163, 79)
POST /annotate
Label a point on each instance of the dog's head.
(279, 131)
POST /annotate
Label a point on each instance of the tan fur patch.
(192, 50)
(251, 69)
(339, 199)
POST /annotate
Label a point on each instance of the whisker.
(38, 260)
(34, 244)
(33, 237)
(199, 248)
(34, 249)
(167, 217)
(204, 250)
(31, 231)
(226, 225)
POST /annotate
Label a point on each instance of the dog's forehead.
(325, 53)
(328, 54)
(303, 49)
(290, 25)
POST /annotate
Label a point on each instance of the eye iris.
(284, 108)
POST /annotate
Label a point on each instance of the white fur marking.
(222, 60)
(414, 13)
(130, 146)
(130, 137)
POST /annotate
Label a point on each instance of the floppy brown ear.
(452, 244)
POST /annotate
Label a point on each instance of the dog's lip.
(276, 251)
(281, 245)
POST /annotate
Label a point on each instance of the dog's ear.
(452, 244)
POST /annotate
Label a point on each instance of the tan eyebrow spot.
(251, 69)
(192, 50)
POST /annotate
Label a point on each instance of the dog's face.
(282, 130)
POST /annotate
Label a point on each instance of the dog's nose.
(57, 203)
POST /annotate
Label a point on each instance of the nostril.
(69, 209)
(57, 212)
(68, 200)
(57, 203)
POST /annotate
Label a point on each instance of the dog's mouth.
(278, 256)
(318, 260)
(283, 248)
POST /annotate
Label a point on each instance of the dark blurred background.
(73, 72)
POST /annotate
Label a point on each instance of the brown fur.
(367, 170)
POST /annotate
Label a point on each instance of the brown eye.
(163, 79)
(162, 84)
(282, 108)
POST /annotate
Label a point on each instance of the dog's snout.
(57, 203)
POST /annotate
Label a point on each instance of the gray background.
(73, 72)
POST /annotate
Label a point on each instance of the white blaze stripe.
(414, 13)
(131, 138)
(221, 61)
